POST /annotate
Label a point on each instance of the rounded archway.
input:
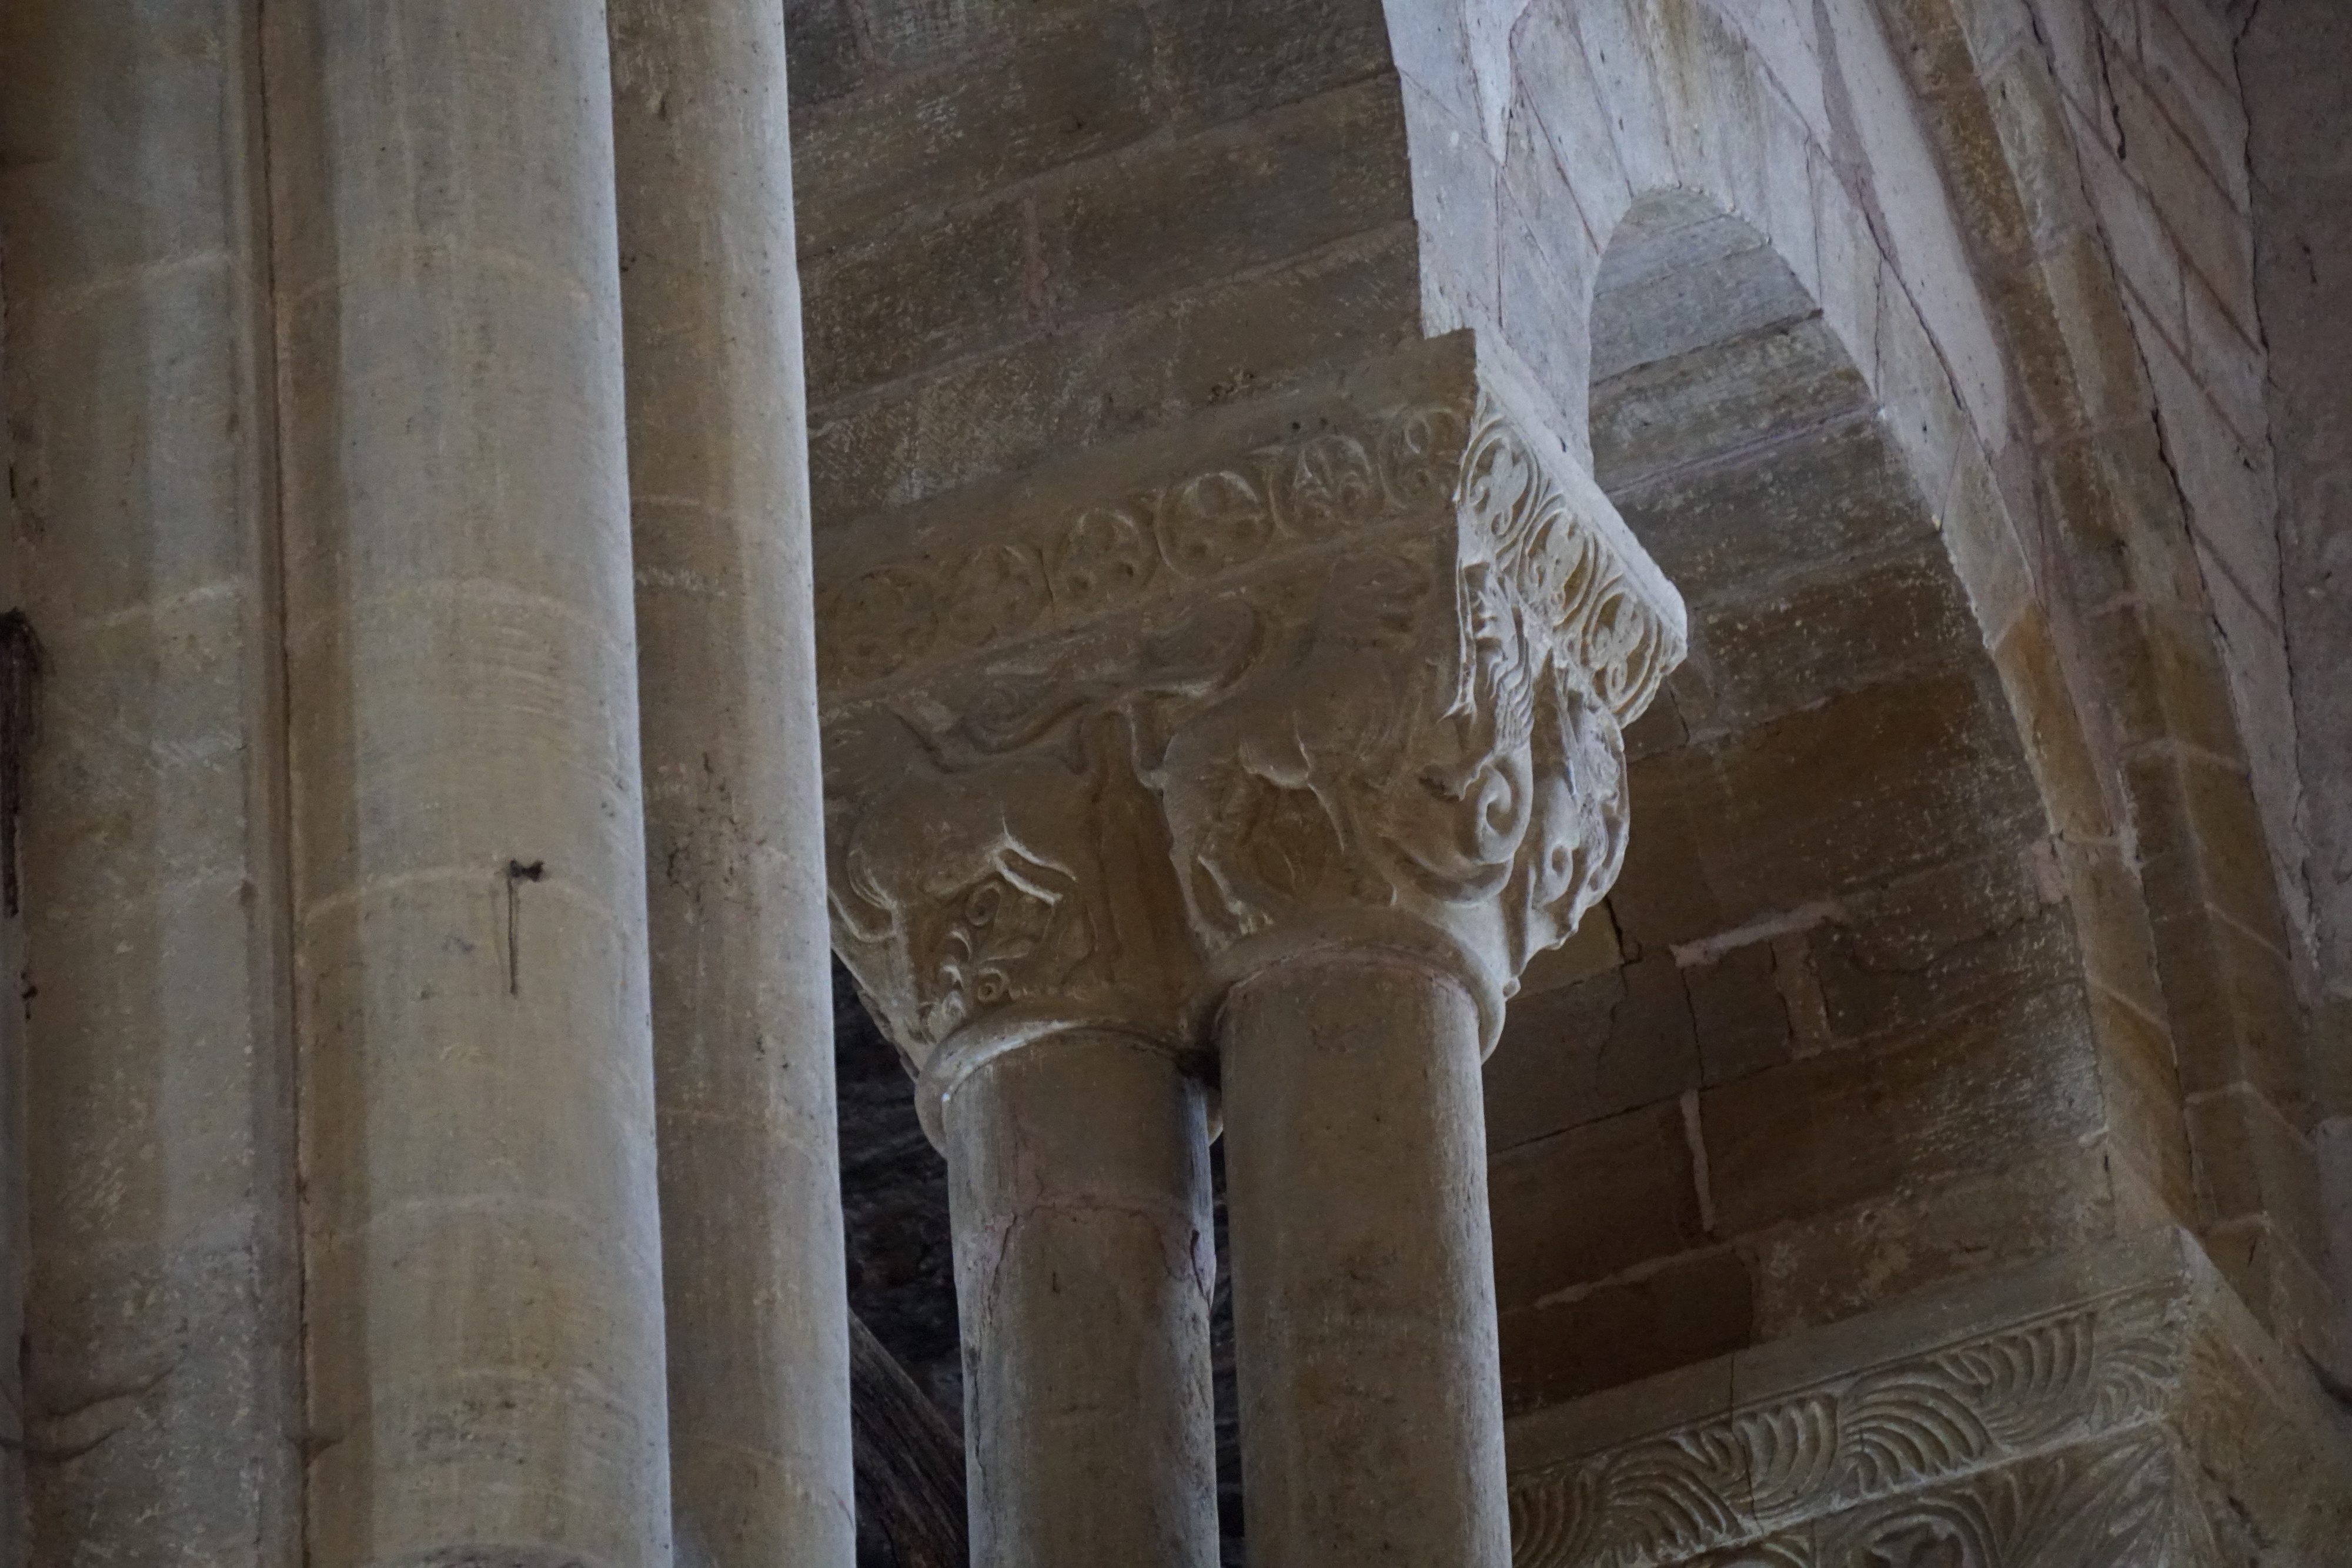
(1833, 1044)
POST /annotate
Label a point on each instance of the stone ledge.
(2117, 1405)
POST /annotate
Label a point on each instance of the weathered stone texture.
(756, 1340)
(153, 1134)
(1261, 666)
(1951, 935)
(1389, 1238)
(1591, 1200)
(1843, 933)
(1934, 1150)
(1080, 1192)
(2159, 127)
(2288, 60)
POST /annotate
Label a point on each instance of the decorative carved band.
(2127, 1501)
(1368, 679)
(1586, 588)
(1122, 555)
(2082, 1382)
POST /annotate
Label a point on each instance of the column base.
(2115, 1407)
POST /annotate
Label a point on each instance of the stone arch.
(1841, 1045)
(1916, 166)
(1035, 232)
(1618, 122)
(2049, 220)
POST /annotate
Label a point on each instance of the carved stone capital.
(1347, 664)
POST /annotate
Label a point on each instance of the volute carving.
(1355, 662)
(1444, 741)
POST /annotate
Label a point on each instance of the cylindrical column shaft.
(1363, 1267)
(162, 1413)
(483, 1269)
(751, 1191)
(1078, 1189)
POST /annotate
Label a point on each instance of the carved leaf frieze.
(2103, 1505)
(895, 620)
(2114, 1504)
(1764, 1478)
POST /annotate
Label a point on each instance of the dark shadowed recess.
(894, 1202)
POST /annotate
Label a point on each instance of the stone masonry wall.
(2155, 106)
(1843, 1052)
(2153, 102)
(1028, 228)
(2295, 59)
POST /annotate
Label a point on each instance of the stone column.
(1304, 715)
(1006, 921)
(162, 1404)
(759, 1351)
(1364, 1264)
(1079, 1194)
(483, 1311)
(1375, 833)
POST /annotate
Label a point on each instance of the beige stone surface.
(1192, 719)
(1357, 1170)
(1079, 1165)
(483, 1298)
(404, 458)
(2114, 1404)
(152, 1123)
(742, 991)
(1843, 933)
(1117, 688)
(1905, 926)
(1090, 221)
(2297, 182)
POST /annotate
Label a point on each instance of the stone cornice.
(1120, 537)
(1035, 562)
(1347, 664)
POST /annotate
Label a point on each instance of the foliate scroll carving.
(1445, 739)
(1370, 656)
(2108, 1504)
(1887, 1454)
(2118, 1502)
(976, 884)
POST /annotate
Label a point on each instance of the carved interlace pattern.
(1382, 668)
(2032, 1448)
